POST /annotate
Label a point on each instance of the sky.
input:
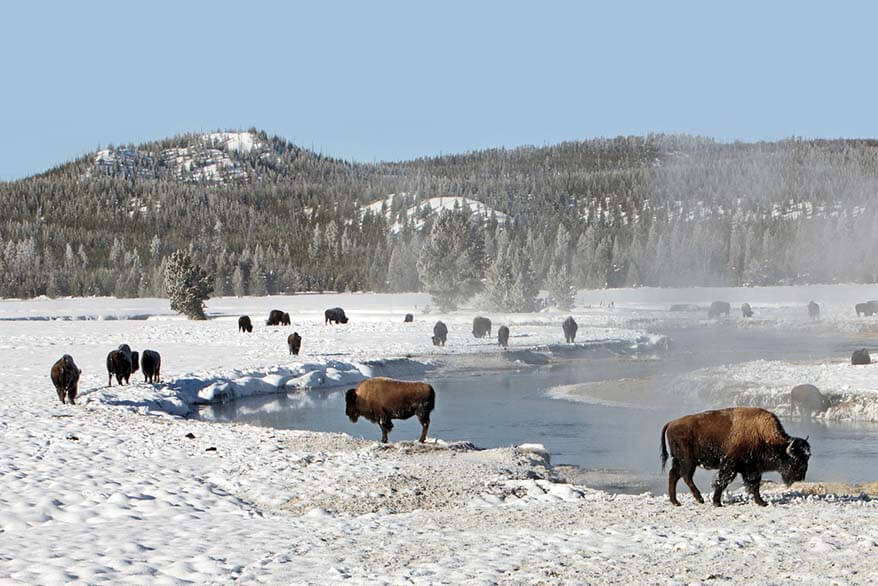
(372, 81)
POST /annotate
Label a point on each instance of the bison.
(861, 356)
(746, 310)
(718, 308)
(122, 363)
(244, 324)
(275, 318)
(813, 310)
(481, 327)
(151, 365)
(382, 399)
(294, 341)
(569, 326)
(807, 398)
(440, 334)
(408, 318)
(503, 336)
(65, 377)
(285, 319)
(334, 314)
(739, 440)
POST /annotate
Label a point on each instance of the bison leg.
(60, 391)
(110, 381)
(752, 480)
(673, 477)
(386, 425)
(425, 424)
(71, 394)
(687, 473)
(724, 477)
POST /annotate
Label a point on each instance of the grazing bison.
(813, 310)
(503, 336)
(481, 327)
(718, 308)
(334, 314)
(285, 319)
(569, 326)
(408, 318)
(65, 377)
(382, 399)
(440, 334)
(861, 356)
(122, 364)
(294, 341)
(807, 398)
(244, 324)
(151, 365)
(739, 440)
(275, 318)
(746, 310)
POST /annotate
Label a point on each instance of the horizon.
(395, 82)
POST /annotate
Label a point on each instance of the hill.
(264, 215)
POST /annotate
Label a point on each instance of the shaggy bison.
(861, 356)
(122, 363)
(503, 336)
(151, 365)
(569, 326)
(807, 398)
(285, 319)
(276, 318)
(408, 318)
(294, 341)
(440, 334)
(739, 440)
(382, 399)
(813, 310)
(746, 310)
(481, 327)
(334, 314)
(244, 324)
(65, 377)
(718, 308)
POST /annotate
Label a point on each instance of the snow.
(122, 489)
(435, 205)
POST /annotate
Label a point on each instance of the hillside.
(265, 215)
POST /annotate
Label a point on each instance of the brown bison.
(408, 318)
(334, 314)
(440, 333)
(294, 341)
(285, 319)
(65, 377)
(861, 356)
(569, 326)
(151, 365)
(739, 440)
(122, 363)
(275, 317)
(718, 308)
(813, 310)
(382, 399)
(746, 310)
(481, 327)
(244, 324)
(807, 398)
(503, 336)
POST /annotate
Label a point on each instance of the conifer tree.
(187, 285)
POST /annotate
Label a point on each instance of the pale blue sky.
(394, 80)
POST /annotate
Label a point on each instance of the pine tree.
(187, 285)
(559, 282)
(449, 271)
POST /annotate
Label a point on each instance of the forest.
(269, 217)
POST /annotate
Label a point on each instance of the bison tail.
(664, 448)
(431, 400)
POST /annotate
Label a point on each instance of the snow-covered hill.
(416, 212)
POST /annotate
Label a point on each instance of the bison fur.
(334, 315)
(807, 399)
(861, 356)
(65, 377)
(380, 400)
(813, 310)
(440, 333)
(151, 365)
(718, 308)
(294, 341)
(746, 310)
(569, 326)
(503, 336)
(244, 324)
(481, 327)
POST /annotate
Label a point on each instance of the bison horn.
(806, 437)
(790, 448)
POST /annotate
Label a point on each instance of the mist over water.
(611, 433)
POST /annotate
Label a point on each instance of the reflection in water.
(507, 408)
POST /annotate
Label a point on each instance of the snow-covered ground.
(122, 489)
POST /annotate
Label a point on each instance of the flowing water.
(612, 446)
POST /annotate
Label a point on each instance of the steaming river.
(614, 446)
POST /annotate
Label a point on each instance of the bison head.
(350, 399)
(794, 460)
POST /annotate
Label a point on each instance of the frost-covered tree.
(187, 285)
(448, 267)
(510, 282)
(559, 282)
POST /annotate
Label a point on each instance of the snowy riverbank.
(121, 489)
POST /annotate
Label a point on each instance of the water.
(618, 447)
